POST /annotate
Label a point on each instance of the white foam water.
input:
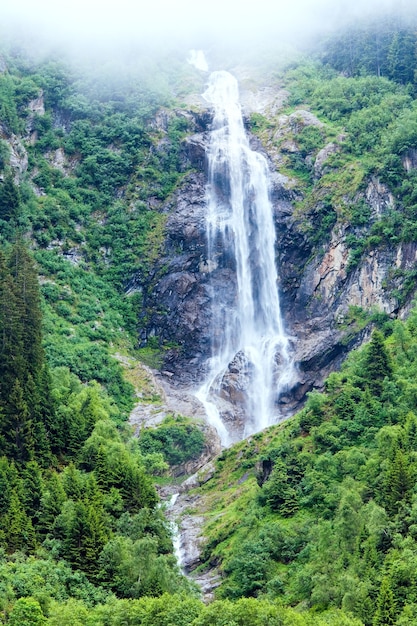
(240, 224)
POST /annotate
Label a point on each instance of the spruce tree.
(12, 362)
(32, 490)
(377, 363)
(25, 389)
(397, 482)
(18, 527)
(26, 290)
(53, 497)
(17, 427)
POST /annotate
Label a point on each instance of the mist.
(104, 25)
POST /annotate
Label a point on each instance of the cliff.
(329, 301)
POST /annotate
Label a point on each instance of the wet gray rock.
(410, 160)
(316, 285)
(322, 157)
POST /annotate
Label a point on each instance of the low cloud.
(104, 22)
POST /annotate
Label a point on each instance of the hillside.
(102, 200)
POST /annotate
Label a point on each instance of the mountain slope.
(311, 522)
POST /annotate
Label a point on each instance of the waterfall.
(198, 60)
(175, 531)
(250, 349)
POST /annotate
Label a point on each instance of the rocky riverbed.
(158, 399)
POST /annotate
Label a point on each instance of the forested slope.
(311, 522)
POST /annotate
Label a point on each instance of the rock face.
(317, 286)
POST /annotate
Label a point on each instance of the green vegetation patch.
(177, 438)
(318, 512)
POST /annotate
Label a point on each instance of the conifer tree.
(33, 394)
(85, 532)
(12, 364)
(397, 482)
(32, 490)
(385, 614)
(9, 199)
(73, 482)
(18, 527)
(377, 363)
(27, 423)
(17, 427)
(52, 500)
(26, 290)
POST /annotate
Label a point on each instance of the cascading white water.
(249, 336)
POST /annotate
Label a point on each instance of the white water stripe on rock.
(249, 339)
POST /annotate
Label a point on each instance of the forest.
(313, 521)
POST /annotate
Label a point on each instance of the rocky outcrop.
(177, 297)
(322, 158)
(317, 284)
(187, 514)
(410, 160)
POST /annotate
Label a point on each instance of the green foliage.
(9, 199)
(331, 523)
(385, 611)
(177, 438)
(27, 612)
(383, 46)
(377, 363)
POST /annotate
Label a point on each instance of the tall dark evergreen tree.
(401, 58)
(17, 427)
(27, 424)
(26, 290)
(377, 364)
(12, 362)
(9, 199)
